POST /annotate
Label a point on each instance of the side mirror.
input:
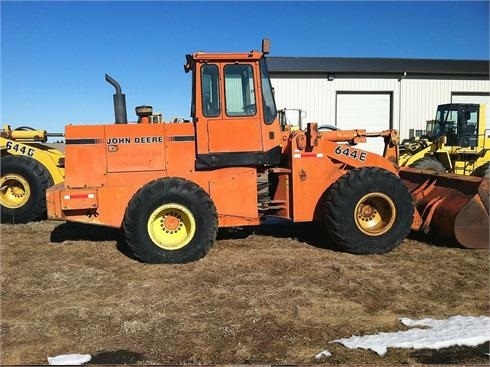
(188, 63)
(266, 46)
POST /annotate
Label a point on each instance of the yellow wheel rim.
(375, 214)
(14, 191)
(171, 226)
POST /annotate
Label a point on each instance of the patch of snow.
(69, 359)
(457, 330)
(323, 354)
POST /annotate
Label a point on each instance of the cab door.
(468, 126)
(230, 118)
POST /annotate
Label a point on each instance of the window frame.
(217, 95)
(265, 77)
(243, 91)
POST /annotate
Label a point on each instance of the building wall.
(421, 96)
(414, 100)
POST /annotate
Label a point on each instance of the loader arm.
(348, 154)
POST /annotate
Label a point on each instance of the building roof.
(314, 65)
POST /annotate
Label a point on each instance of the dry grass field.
(269, 295)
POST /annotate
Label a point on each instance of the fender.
(49, 157)
(357, 158)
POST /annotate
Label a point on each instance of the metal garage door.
(370, 111)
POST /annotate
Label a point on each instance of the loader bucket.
(450, 206)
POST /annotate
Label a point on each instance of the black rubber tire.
(429, 163)
(340, 202)
(170, 191)
(38, 178)
(482, 171)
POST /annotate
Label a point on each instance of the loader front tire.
(23, 185)
(482, 171)
(429, 163)
(368, 211)
(170, 220)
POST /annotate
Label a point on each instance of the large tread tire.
(429, 163)
(482, 171)
(151, 204)
(23, 189)
(351, 222)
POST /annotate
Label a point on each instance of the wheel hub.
(171, 226)
(366, 212)
(14, 191)
(170, 223)
(375, 214)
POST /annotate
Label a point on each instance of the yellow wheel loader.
(457, 141)
(28, 167)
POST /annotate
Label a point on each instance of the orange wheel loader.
(170, 186)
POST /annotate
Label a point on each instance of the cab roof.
(252, 55)
(220, 56)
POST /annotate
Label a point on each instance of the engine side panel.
(107, 164)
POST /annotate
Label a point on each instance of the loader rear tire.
(429, 163)
(170, 220)
(368, 211)
(23, 185)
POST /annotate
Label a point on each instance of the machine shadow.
(71, 231)
(433, 240)
(313, 233)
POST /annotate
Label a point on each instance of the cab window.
(270, 111)
(240, 90)
(471, 118)
(210, 90)
(446, 123)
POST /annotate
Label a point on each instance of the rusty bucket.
(450, 206)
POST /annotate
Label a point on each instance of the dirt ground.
(270, 295)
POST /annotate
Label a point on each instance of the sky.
(424, 333)
(54, 54)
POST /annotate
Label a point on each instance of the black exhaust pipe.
(119, 102)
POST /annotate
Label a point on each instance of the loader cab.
(233, 111)
(458, 123)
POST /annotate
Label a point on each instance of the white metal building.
(376, 94)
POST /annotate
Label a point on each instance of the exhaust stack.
(119, 102)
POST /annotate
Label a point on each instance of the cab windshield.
(445, 122)
(459, 124)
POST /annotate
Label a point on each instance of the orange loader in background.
(170, 186)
